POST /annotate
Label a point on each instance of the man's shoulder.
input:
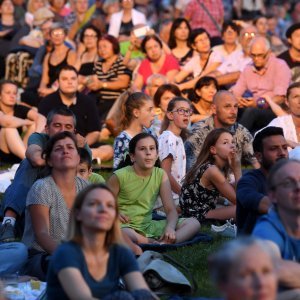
(201, 129)
(49, 102)
(82, 98)
(279, 63)
(39, 139)
(241, 132)
(254, 174)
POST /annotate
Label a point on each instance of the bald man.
(224, 115)
(266, 76)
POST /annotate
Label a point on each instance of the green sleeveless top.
(138, 195)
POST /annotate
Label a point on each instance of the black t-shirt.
(294, 65)
(85, 110)
(21, 111)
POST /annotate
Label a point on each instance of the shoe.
(226, 230)
(7, 232)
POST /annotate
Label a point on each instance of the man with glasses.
(266, 76)
(229, 71)
(281, 226)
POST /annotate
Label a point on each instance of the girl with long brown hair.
(207, 179)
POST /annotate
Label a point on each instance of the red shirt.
(169, 64)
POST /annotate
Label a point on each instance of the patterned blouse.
(196, 200)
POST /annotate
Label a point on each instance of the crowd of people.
(201, 99)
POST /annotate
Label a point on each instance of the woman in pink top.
(157, 61)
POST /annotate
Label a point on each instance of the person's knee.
(13, 257)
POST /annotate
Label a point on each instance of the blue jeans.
(12, 257)
(16, 194)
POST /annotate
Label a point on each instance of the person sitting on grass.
(89, 265)
(137, 114)
(137, 187)
(85, 170)
(14, 138)
(49, 202)
(206, 181)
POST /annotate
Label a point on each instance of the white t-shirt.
(287, 125)
(219, 49)
(235, 62)
(193, 66)
(170, 144)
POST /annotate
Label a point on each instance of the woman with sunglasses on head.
(91, 262)
(59, 56)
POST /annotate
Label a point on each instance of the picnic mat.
(198, 238)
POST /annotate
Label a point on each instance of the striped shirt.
(117, 68)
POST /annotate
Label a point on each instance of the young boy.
(84, 169)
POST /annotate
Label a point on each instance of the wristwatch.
(104, 85)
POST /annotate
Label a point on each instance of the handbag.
(163, 277)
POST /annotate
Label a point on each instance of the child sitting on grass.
(85, 170)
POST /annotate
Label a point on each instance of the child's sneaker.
(227, 230)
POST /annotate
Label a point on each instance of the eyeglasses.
(249, 34)
(89, 35)
(58, 33)
(260, 55)
(288, 183)
(182, 111)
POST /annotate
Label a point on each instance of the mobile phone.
(141, 32)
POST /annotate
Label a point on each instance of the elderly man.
(229, 71)
(266, 76)
(281, 226)
(224, 108)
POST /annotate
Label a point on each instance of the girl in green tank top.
(137, 187)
